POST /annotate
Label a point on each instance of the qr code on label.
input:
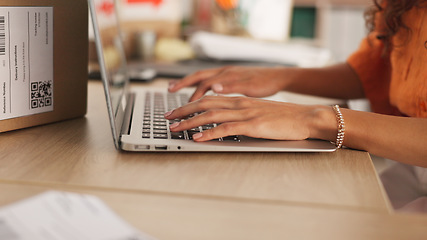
(41, 94)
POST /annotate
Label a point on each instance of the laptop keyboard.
(155, 126)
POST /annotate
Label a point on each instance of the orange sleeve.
(374, 72)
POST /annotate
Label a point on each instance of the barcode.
(41, 94)
(2, 36)
(6, 232)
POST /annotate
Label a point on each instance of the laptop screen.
(111, 58)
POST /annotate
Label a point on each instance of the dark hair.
(392, 12)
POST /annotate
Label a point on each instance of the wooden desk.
(169, 216)
(80, 152)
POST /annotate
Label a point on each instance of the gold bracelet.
(341, 126)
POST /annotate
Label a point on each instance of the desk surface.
(169, 216)
(80, 152)
(203, 195)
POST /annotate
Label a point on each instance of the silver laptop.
(136, 114)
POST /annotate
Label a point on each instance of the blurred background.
(167, 26)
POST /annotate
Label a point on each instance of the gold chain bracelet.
(341, 126)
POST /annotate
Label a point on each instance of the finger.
(207, 102)
(200, 91)
(215, 83)
(210, 102)
(212, 116)
(193, 79)
(223, 130)
(230, 87)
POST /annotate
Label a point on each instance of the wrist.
(323, 123)
(288, 76)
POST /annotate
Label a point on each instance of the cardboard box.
(43, 61)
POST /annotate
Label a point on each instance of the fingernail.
(168, 114)
(174, 125)
(197, 136)
(217, 87)
(171, 85)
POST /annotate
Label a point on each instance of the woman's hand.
(250, 81)
(255, 118)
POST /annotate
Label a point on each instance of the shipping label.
(26, 61)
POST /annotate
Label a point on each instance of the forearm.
(398, 138)
(337, 81)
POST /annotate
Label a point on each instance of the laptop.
(136, 113)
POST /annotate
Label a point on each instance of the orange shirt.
(396, 83)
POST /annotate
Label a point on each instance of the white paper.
(64, 216)
(221, 47)
(26, 61)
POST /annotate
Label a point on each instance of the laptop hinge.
(127, 120)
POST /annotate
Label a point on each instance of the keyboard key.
(160, 136)
(159, 119)
(177, 135)
(191, 133)
(207, 127)
(160, 131)
(231, 138)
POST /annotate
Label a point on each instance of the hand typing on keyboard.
(252, 117)
(250, 81)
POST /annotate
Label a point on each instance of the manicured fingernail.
(197, 136)
(217, 87)
(168, 114)
(174, 125)
(171, 85)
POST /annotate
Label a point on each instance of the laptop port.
(161, 147)
(142, 147)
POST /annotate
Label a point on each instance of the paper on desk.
(222, 47)
(64, 216)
